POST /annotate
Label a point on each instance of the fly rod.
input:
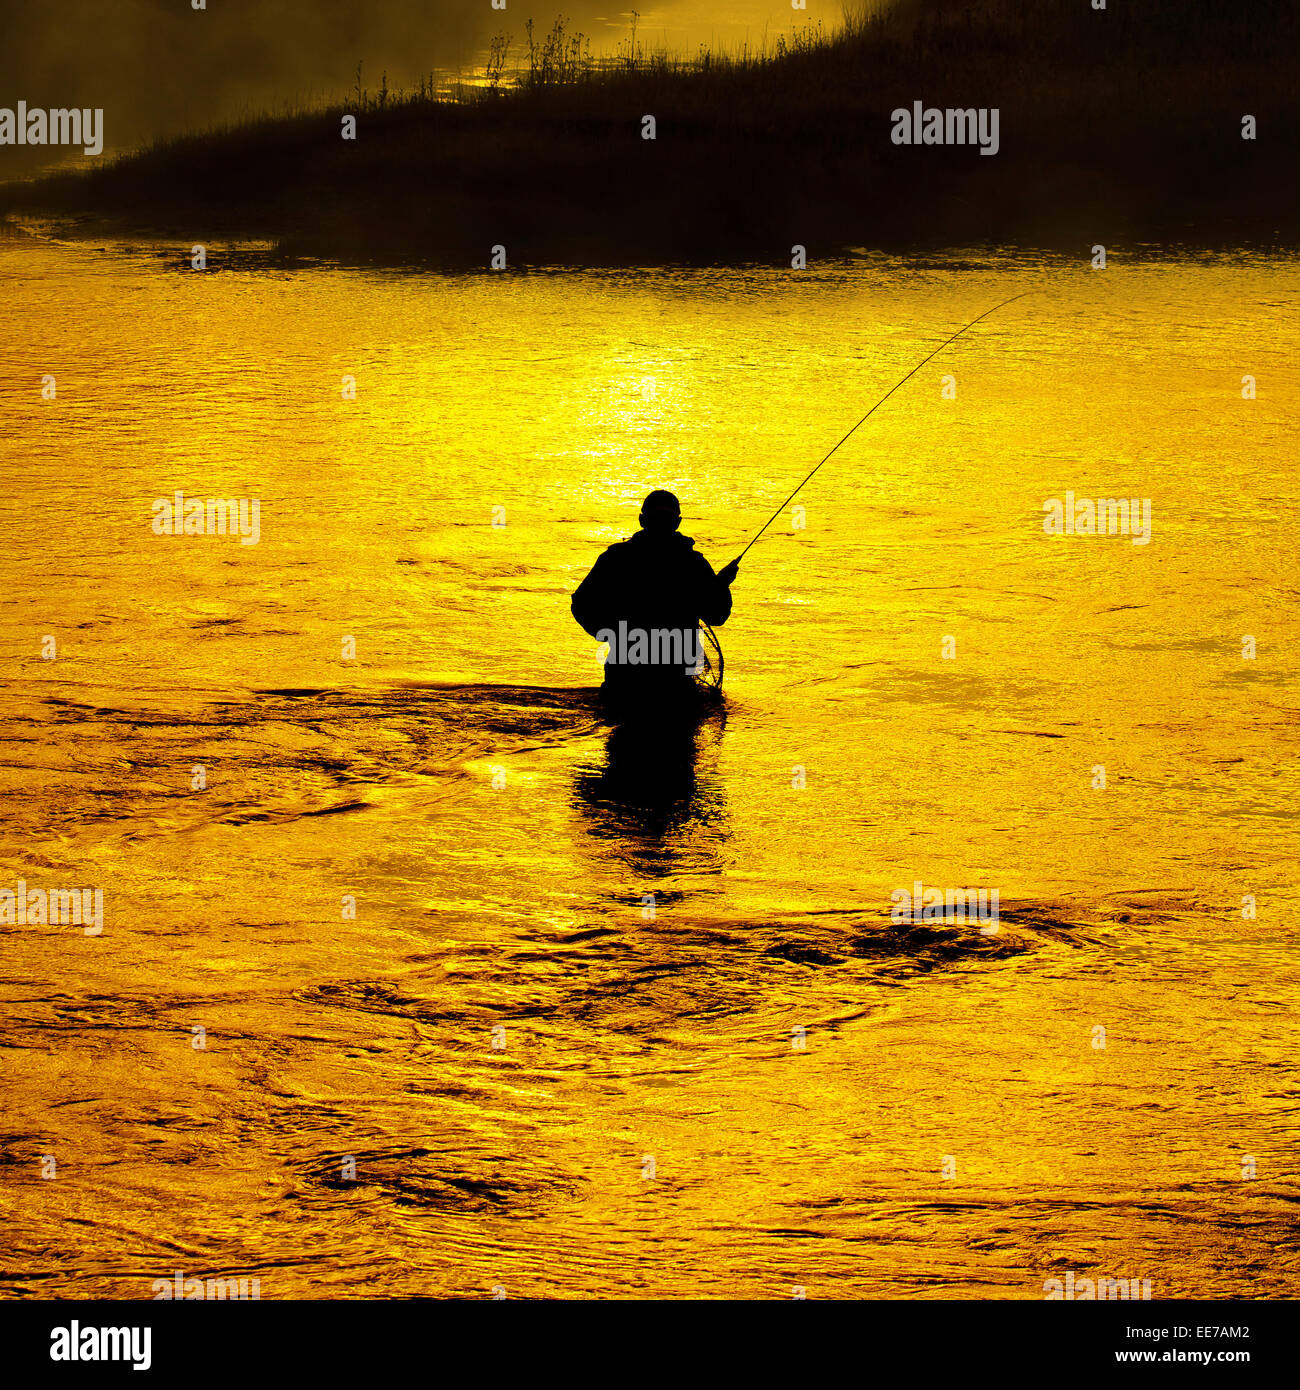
(873, 410)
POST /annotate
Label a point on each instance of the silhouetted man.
(646, 597)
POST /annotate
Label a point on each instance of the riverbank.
(1113, 126)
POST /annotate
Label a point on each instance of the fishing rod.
(876, 407)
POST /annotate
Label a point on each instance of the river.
(477, 1012)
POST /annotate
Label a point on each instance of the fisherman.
(646, 597)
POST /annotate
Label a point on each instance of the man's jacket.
(657, 582)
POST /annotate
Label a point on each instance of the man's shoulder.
(637, 550)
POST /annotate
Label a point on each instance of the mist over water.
(456, 780)
(159, 68)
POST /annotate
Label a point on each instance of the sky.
(159, 67)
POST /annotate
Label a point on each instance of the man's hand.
(727, 574)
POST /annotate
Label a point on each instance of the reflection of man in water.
(646, 597)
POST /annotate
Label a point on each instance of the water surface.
(950, 1127)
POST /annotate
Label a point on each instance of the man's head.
(661, 512)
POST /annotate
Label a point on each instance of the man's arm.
(714, 596)
(590, 602)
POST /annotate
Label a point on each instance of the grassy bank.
(1115, 125)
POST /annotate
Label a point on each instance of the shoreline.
(1167, 126)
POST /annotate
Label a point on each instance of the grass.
(1116, 125)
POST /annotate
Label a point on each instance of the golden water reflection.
(805, 1072)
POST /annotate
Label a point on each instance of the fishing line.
(876, 407)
